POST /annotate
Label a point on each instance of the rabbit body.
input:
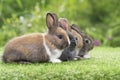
(76, 42)
(87, 43)
(37, 47)
(26, 48)
(87, 46)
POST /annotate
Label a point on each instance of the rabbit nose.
(73, 43)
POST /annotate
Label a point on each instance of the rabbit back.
(26, 48)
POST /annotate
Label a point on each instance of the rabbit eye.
(60, 36)
(87, 41)
(76, 38)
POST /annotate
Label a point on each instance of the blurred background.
(98, 18)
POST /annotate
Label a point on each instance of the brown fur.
(54, 39)
(27, 47)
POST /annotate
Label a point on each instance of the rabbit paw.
(75, 58)
(55, 60)
(87, 56)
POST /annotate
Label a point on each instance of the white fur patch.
(87, 56)
(46, 47)
(54, 54)
(75, 58)
(68, 40)
(55, 60)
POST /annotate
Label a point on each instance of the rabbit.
(71, 52)
(38, 47)
(88, 43)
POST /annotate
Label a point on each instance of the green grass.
(103, 65)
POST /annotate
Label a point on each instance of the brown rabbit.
(87, 43)
(37, 47)
(69, 55)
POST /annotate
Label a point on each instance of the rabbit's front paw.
(87, 56)
(55, 60)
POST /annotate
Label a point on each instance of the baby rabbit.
(71, 52)
(37, 47)
(87, 43)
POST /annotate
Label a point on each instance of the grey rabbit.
(69, 53)
(87, 43)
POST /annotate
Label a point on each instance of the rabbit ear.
(76, 28)
(51, 21)
(63, 22)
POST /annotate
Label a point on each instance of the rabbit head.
(56, 35)
(87, 42)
